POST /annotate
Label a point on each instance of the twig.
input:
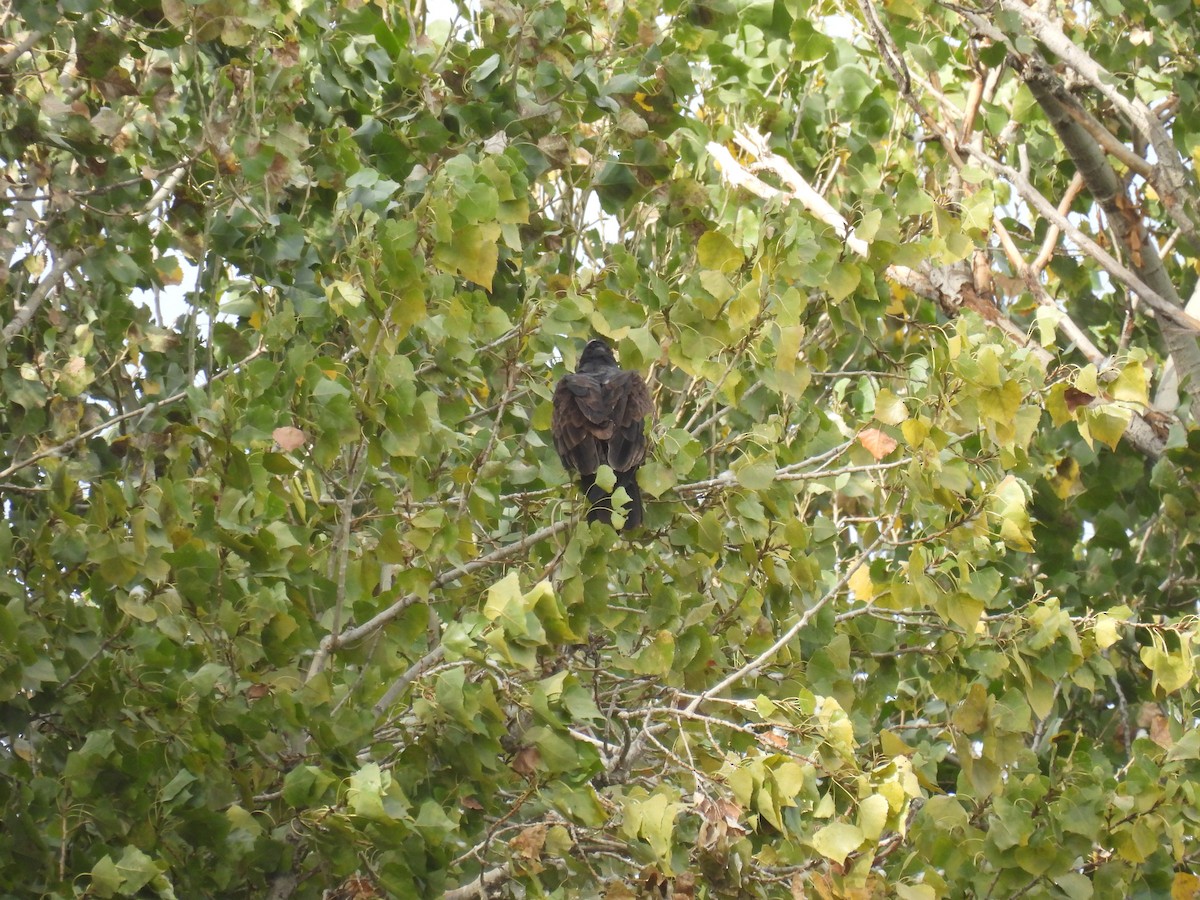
(415, 671)
(71, 258)
(140, 411)
(767, 655)
(1052, 234)
(15, 53)
(1034, 198)
(478, 887)
(331, 642)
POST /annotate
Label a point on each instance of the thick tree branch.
(1159, 304)
(1124, 216)
(1172, 180)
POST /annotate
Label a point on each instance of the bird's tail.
(633, 511)
(600, 500)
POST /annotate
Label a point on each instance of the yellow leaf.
(1105, 631)
(889, 408)
(915, 431)
(838, 840)
(872, 816)
(1185, 886)
(715, 251)
(893, 745)
(1131, 384)
(860, 582)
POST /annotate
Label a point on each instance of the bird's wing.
(589, 396)
(580, 422)
(628, 401)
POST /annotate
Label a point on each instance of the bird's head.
(597, 353)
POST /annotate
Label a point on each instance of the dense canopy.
(297, 599)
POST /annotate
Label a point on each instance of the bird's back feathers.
(599, 419)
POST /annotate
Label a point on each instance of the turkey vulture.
(599, 419)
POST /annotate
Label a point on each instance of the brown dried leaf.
(876, 442)
(685, 885)
(1076, 398)
(774, 739)
(288, 54)
(529, 843)
(289, 438)
(1160, 732)
(731, 811)
(356, 887)
(257, 691)
(526, 761)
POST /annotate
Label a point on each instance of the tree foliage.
(297, 597)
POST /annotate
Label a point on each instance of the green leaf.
(717, 252)
(1008, 503)
(652, 820)
(305, 785)
(106, 877)
(1171, 671)
(606, 478)
(136, 871)
(842, 281)
(472, 252)
(504, 598)
(1106, 631)
(889, 409)
(657, 656)
(756, 476)
(365, 793)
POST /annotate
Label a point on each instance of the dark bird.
(600, 419)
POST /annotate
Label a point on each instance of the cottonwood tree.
(297, 599)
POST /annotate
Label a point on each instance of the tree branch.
(72, 258)
(478, 887)
(331, 642)
(108, 423)
(767, 655)
(1172, 180)
(1034, 198)
(755, 144)
(1124, 216)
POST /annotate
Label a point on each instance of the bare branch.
(24, 44)
(1034, 198)
(1054, 232)
(415, 671)
(72, 258)
(478, 887)
(1172, 180)
(25, 313)
(738, 175)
